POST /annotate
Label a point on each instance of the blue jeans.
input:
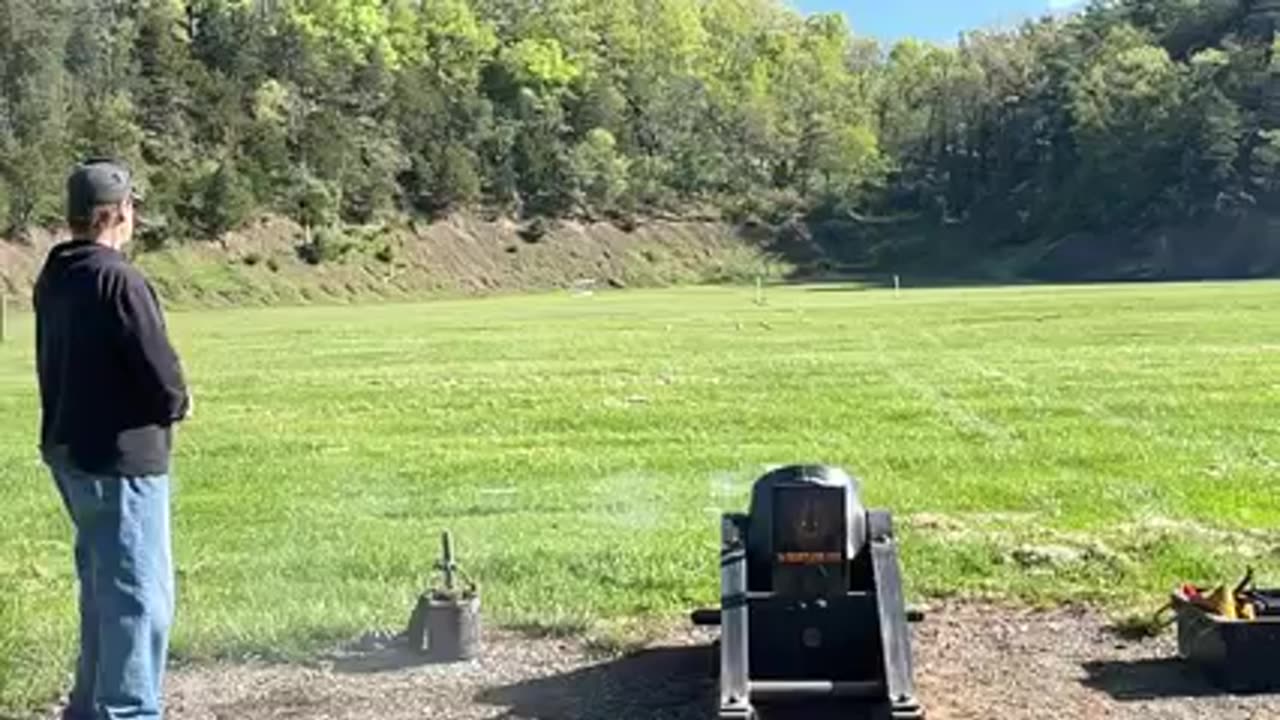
(125, 567)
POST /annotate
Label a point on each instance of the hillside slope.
(271, 262)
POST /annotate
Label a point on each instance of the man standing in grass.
(111, 390)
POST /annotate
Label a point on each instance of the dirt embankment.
(274, 261)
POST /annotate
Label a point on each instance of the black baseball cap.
(98, 181)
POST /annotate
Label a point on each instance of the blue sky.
(938, 20)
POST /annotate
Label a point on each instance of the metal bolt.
(812, 638)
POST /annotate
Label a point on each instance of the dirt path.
(972, 662)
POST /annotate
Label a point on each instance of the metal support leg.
(895, 635)
(735, 687)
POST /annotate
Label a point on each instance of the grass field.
(1093, 444)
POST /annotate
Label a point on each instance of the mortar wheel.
(908, 711)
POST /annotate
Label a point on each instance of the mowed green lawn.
(581, 448)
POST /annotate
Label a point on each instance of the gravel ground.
(972, 661)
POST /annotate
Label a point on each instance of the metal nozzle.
(447, 564)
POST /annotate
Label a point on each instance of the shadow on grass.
(852, 282)
(663, 683)
(863, 281)
(1150, 679)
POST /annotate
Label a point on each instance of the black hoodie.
(111, 385)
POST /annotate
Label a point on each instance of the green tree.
(35, 147)
(1126, 106)
(222, 200)
(599, 171)
(1133, 112)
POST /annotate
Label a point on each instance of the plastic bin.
(1238, 656)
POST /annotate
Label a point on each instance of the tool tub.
(1238, 656)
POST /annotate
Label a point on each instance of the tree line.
(353, 111)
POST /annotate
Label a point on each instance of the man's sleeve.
(151, 358)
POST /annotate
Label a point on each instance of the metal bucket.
(445, 624)
(452, 628)
(446, 629)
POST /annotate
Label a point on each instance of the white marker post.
(897, 286)
(759, 290)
